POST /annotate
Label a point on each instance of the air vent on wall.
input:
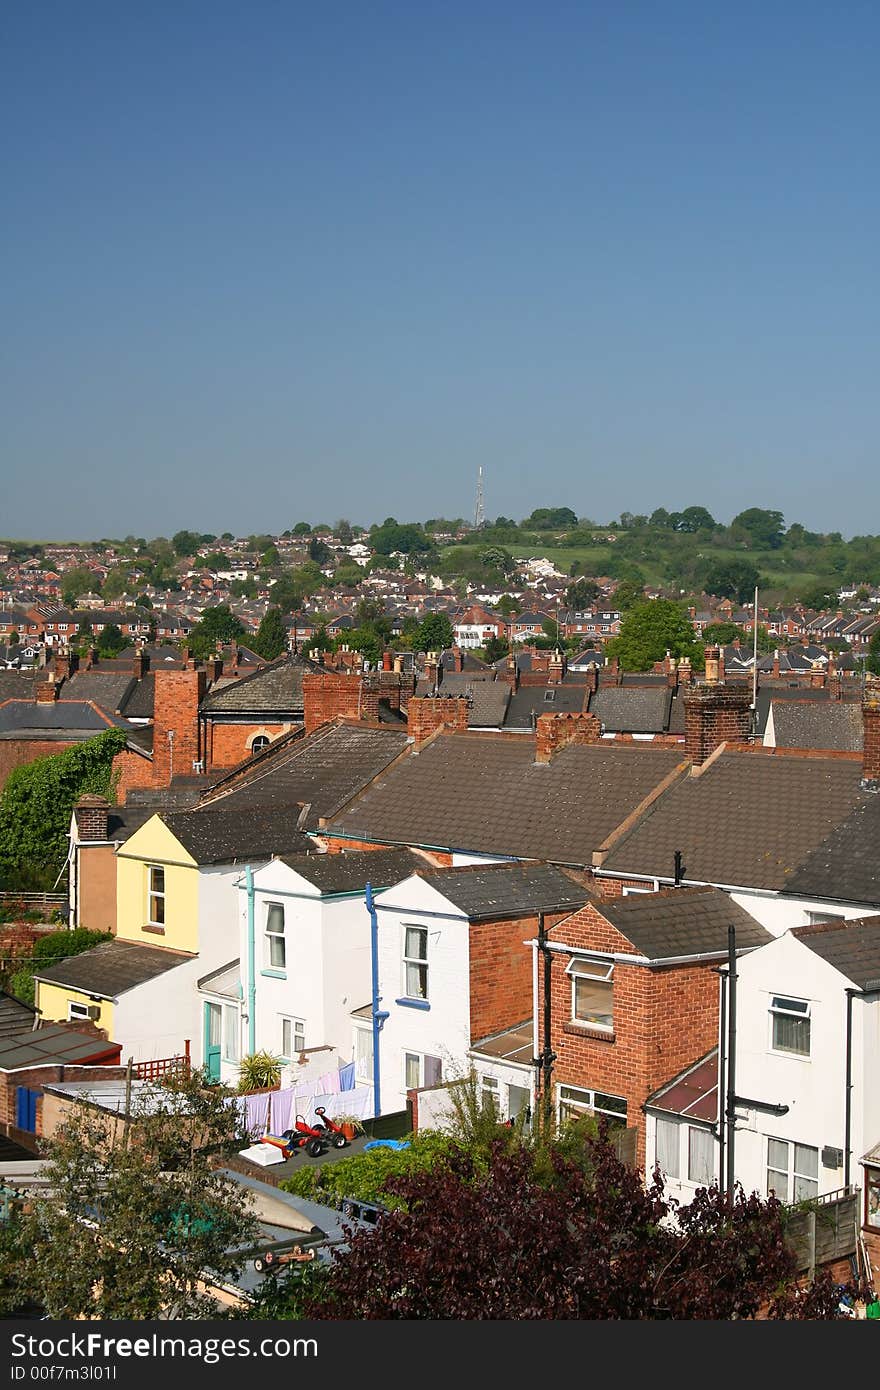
(832, 1158)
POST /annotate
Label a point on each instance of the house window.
(813, 918)
(230, 1033)
(790, 1025)
(76, 1011)
(591, 993)
(792, 1170)
(293, 1037)
(667, 1146)
(259, 743)
(489, 1094)
(872, 1198)
(156, 895)
(363, 1054)
(701, 1156)
(276, 951)
(574, 1102)
(415, 962)
(420, 1070)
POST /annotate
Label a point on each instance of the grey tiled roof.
(109, 689)
(20, 685)
(495, 891)
(351, 872)
(489, 698)
(276, 688)
(485, 793)
(63, 719)
(543, 699)
(748, 820)
(323, 770)
(14, 1016)
(112, 968)
(681, 922)
(630, 709)
(140, 702)
(228, 833)
(852, 947)
(846, 865)
(834, 725)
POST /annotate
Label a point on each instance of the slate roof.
(112, 968)
(20, 685)
(276, 688)
(852, 947)
(324, 770)
(681, 922)
(228, 833)
(140, 703)
(489, 697)
(15, 1017)
(835, 725)
(109, 689)
(846, 865)
(543, 699)
(352, 871)
(748, 820)
(631, 709)
(52, 1044)
(486, 794)
(70, 719)
(492, 892)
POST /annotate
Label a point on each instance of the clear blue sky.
(271, 262)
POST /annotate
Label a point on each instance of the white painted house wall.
(154, 1019)
(443, 1029)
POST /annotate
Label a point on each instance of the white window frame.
(801, 1013)
(230, 1034)
(669, 1125)
(796, 1177)
(77, 1012)
(362, 1074)
(490, 1093)
(419, 963)
(420, 1058)
(296, 1034)
(578, 1100)
(699, 1179)
(599, 972)
(155, 895)
(275, 938)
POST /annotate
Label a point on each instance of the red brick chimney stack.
(47, 691)
(428, 713)
(714, 713)
(871, 723)
(92, 813)
(556, 731)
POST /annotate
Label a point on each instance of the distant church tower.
(479, 509)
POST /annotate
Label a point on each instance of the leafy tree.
(85, 634)
(695, 519)
(552, 519)
(111, 640)
(495, 649)
(270, 558)
(391, 536)
(187, 542)
(661, 518)
(627, 594)
(271, 638)
(435, 633)
(349, 575)
(873, 658)
(344, 532)
(37, 802)
(364, 640)
(507, 605)
(319, 551)
(760, 529)
(215, 561)
(215, 627)
(127, 1230)
(466, 1244)
(75, 582)
(735, 578)
(302, 528)
(495, 557)
(246, 588)
(649, 630)
(14, 639)
(48, 950)
(581, 594)
(819, 596)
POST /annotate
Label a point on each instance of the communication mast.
(479, 509)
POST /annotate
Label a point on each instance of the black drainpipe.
(731, 1063)
(722, 1059)
(546, 1057)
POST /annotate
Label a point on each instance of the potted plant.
(350, 1125)
(259, 1071)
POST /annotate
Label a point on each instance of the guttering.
(329, 832)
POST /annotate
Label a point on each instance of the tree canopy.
(435, 633)
(650, 630)
(215, 627)
(581, 594)
(271, 638)
(551, 518)
(760, 529)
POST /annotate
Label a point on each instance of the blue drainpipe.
(378, 1017)
(252, 974)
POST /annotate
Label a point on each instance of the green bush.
(49, 949)
(364, 1176)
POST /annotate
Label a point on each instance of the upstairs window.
(592, 992)
(276, 950)
(156, 895)
(415, 962)
(790, 1025)
(792, 1170)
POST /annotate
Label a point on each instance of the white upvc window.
(790, 1025)
(489, 1094)
(76, 1011)
(415, 962)
(276, 949)
(792, 1170)
(701, 1156)
(575, 1101)
(421, 1070)
(155, 895)
(592, 992)
(363, 1054)
(667, 1147)
(293, 1037)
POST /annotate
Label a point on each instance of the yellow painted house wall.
(51, 1000)
(155, 844)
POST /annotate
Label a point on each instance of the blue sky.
(276, 261)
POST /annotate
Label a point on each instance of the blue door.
(26, 1109)
(213, 1025)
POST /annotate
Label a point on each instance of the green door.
(213, 1025)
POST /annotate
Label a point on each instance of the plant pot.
(348, 1130)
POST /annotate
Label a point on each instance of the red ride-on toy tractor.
(333, 1132)
(308, 1137)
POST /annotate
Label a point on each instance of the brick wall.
(427, 713)
(501, 972)
(132, 770)
(714, 714)
(328, 695)
(17, 752)
(871, 753)
(178, 695)
(228, 744)
(35, 1078)
(663, 1020)
(556, 731)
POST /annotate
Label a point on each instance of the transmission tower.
(479, 509)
